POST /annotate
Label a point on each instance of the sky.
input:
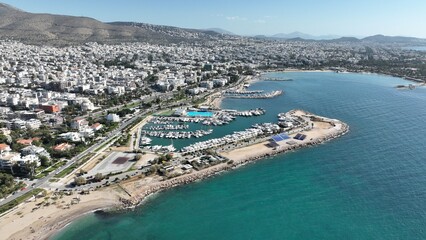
(253, 17)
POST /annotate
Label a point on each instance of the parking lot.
(115, 162)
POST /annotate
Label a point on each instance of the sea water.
(368, 184)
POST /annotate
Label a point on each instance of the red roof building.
(4, 148)
(62, 147)
(50, 108)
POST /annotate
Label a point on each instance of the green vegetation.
(117, 62)
(66, 171)
(47, 171)
(72, 110)
(8, 185)
(106, 143)
(199, 101)
(123, 140)
(79, 181)
(124, 112)
(20, 199)
(45, 161)
(99, 177)
(4, 139)
(73, 166)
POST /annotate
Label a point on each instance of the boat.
(145, 141)
(169, 148)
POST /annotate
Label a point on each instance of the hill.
(393, 39)
(64, 30)
(295, 35)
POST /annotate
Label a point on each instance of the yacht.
(145, 141)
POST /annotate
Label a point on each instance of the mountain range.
(304, 36)
(35, 28)
(64, 30)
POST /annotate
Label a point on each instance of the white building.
(206, 84)
(34, 150)
(28, 159)
(87, 106)
(33, 124)
(112, 117)
(70, 136)
(79, 124)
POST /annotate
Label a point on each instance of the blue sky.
(248, 17)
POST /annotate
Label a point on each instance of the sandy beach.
(27, 222)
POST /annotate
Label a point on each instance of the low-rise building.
(34, 150)
(8, 159)
(96, 126)
(4, 148)
(71, 136)
(220, 82)
(206, 84)
(62, 147)
(33, 124)
(26, 142)
(180, 112)
(50, 108)
(79, 124)
(112, 117)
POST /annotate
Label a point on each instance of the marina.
(296, 121)
(169, 127)
(177, 134)
(185, 127)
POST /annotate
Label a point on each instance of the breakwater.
(252, 94)
(141, 194)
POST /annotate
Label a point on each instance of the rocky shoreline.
(139, 197)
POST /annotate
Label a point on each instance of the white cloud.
(236, 18)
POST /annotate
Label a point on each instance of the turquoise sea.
(368, 184)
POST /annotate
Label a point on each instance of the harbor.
(187, 127)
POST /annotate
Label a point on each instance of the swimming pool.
(199, 114)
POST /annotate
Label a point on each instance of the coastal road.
(44, 182)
